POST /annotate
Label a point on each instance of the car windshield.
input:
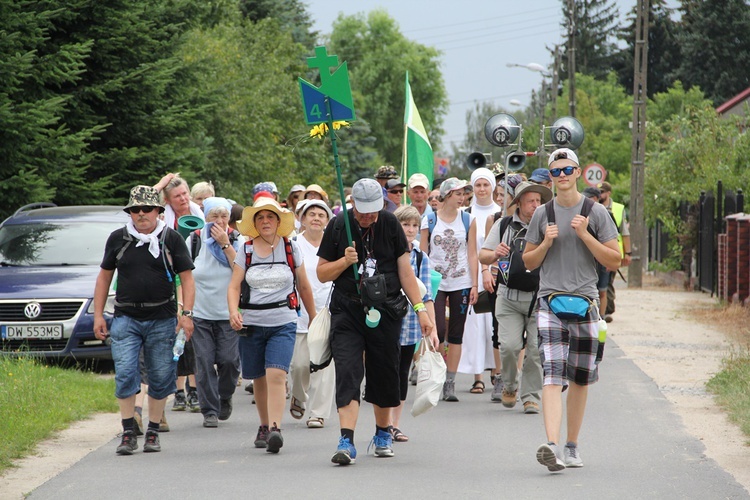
(54, 243)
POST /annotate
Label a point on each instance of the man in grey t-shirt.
(567, 254)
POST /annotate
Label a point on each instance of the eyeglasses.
(137, 210)
(396, 191)
(555, 172)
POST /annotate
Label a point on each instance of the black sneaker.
(275, 440)
(261, 439)
(249, 387)
(128, 444)
(226, 409)
(180, 403)
(152, 442)
(192, 402)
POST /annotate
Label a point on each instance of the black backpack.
(512, 272)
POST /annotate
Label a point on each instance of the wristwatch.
(187, 313)
(224, 247)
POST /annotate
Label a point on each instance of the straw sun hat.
(247, 225)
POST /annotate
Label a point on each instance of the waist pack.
(373, 290)
(569, 305)
(396, 307)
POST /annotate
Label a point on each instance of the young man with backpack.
(516, 293)
(561, 242)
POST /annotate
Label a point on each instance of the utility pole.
(638, 148)
(555, 82)
(572, 57)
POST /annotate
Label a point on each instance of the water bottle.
(179, 345)
(602, 338)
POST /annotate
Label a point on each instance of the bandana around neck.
(152, 238)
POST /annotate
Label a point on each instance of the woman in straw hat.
(267, 316)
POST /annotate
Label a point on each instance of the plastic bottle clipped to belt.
(372, 319)
(179, 345)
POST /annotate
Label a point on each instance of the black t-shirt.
(386, 242)
(141, 278)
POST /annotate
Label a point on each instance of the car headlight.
(109, 305)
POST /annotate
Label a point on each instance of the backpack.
(588, 204)
(512, 272)
(196, 244)
(432, 222)
(292, 301)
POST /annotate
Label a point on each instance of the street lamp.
(543, 99)
(515, 102)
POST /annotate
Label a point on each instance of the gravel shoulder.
(651, 326)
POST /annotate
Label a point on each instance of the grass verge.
(37, 400)
(731, 387)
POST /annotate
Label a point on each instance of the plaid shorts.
(568, 349)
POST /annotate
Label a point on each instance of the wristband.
(419, 306)
(487, 269)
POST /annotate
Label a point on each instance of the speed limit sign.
(594, 174)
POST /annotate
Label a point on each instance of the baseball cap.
(591, 192)
(562, 153)
(540, 175)
(419, 180)
(367, 196)
(452, 184)
(393, 183)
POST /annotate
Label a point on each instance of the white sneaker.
(572, 456)
(549, 455)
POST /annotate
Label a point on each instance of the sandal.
(315, 423)
(296, 408)
(477, 387)
(398, 436)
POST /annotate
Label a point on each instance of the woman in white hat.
(270, 266)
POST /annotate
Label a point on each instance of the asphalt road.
(633, 446)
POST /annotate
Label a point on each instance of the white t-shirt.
(320, 290)
(449, 253)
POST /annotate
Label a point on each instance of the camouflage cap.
(386, 172)
(144, 196)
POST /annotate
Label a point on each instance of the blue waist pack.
(569, 305)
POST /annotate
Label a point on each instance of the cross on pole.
(324, 63)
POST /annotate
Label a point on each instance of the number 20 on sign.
(594, 174)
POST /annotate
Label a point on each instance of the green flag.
(417, 156)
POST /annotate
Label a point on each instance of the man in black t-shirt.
(379, 247)
(147, 256)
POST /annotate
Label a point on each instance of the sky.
(478, 39)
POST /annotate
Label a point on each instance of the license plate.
(45, 332)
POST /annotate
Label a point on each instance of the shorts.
(263, 347)
(568, 349)
(603, 278)
(156, 338)
(350, 339)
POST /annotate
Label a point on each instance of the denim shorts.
(263, 347)
(602, 282)
(157, 339)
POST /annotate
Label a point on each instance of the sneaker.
(608, 318)
(249, 387)
(530, 408)
(497, 389)
(346, 453)
(128, 444)
(275, 440)
(163, 425)
(138, 428)
(226, 409)
(261, 439)
(549, 456)
(152, 442)
(572, 456)
(449, 391)
(192, 402)
(509, 398)
(210, 421)
(413, 375)
(383, 442)
(180, 402)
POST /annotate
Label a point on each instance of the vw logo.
(32, 310)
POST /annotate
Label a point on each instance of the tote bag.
(430, 378)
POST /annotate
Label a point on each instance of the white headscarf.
(482, 173)
(152, 238)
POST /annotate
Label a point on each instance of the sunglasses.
(555, 172)
(137, 210)
(396, 191)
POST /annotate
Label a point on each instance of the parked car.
(49, 261)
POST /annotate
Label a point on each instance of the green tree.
(596, 22)
(715, 47)
(663, 50)
(378, 57)
(41, 158)
(291, 15)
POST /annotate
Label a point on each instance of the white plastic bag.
(319, 340)
(430, 378)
